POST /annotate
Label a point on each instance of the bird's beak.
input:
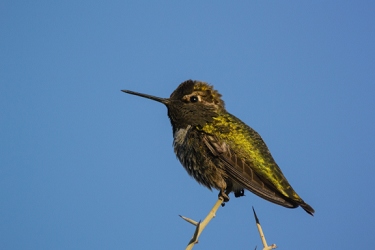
(155, 98)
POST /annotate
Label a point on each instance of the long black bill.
(155, 98)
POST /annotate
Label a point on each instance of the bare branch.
(200, 226)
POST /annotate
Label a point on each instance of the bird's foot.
(239, 193)
(223, 195)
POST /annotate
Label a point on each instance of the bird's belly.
(197, 159)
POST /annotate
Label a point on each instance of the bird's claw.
(239, 193)
(224, 196)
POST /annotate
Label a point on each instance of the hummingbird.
(219, 150)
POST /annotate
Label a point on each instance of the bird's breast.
(192, 154)
(182, 148)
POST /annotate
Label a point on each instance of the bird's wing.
(242, 172)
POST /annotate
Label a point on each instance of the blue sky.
(85, 166)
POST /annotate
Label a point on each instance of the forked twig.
(200, 226)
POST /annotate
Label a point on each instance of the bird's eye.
(193, 98)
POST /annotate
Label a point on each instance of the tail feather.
(307, 208)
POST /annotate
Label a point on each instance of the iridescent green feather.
(250, 147)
